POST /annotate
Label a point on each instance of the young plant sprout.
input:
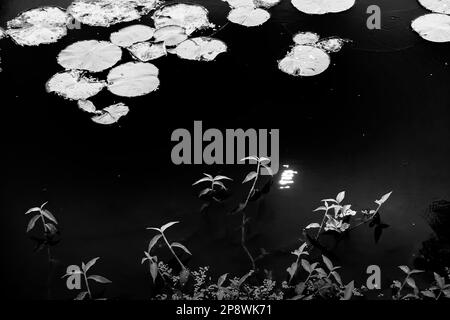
(440, 288)
(76, 271)
(253, 194)
(153, 261)
(213, 181)
(399, 286)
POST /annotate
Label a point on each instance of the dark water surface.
(376, 120)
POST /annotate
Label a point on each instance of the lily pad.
(146, 51)
(433, 27)
(90, 55)
(305, 61)
(87, 106)
(200, 49)
(438, 6)
(133, 79)
(111, 114)
(322, 6)
(266, 3)
(104, 13)
(248, 16)
(38, 26)
(306, 38)
(170, 35)
(332, 44)
(133, 34)
(189, 16)
(74, 85)
(240, 3)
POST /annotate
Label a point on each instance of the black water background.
(376, 121)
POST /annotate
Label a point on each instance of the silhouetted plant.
(83, 272)
(184, 274)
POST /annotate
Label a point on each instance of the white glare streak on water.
(287, 177)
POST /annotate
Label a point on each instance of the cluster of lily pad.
(310, 54)
(173, 25)
(435, 26)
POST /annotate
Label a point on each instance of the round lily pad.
(305, 61)
(332, 44)
(200, 49)
(133, 34)
(433, 27)
(248, 16)
(439, 6)
(170, 35)
(90, 55)
(146, 51)
(38, 26)
(189, 16)
(74, 85)
(133, 79)
(322, 6)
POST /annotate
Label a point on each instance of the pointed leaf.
(90, 264)
(306, 265)
(440, 281)
(81, 295)
(312, 225)
(348, 291)
(49, 215)
(99, 279)
(327, 262)
(429, 294)
(32, 222)
(411, 282)
(153, 270)
(168, 225)
(340, 196)
(179, 245)
(337, 277)
(252, 175)
(35, 209)
(205, 179)
(153, 242)
(218, 178)
(255, 158)
(383, 198)
(405, 269)
(220, 184)
(222, 279)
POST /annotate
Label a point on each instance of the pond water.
(377, 120)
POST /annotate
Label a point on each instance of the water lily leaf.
(322, 6)
(87, 106)
(74, 85)
(90, 55)
(248, 16)
(439, 6)
(266, 3)
(133, 34)
(38, 26)
(103, 13)
(111, 114)
(306, 38)
(133, 79)
(200, 49)
(433, 27)
(190, 17)
(170, 35)
(146, 51)
(99, 279)
(32, 223)
(305, 61)
(332, 44)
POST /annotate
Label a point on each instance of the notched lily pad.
(248, 16)
(434, 27)
(133, 34)
(322, 6)
(133, 79)
(90, 55)
(170, 35)
(38, 26)
(146, 51)
(104, 13)
(200, 49)
(305, 61)
(438, 6)
(308, 38)
(189, 16)
(74, 85)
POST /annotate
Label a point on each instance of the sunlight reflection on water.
(287, 177)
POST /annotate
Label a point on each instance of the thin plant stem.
(244, 218)
(173, 252)
(367, 220)
(87, 285)
(321, 225)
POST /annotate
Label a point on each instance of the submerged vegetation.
(312, 275)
